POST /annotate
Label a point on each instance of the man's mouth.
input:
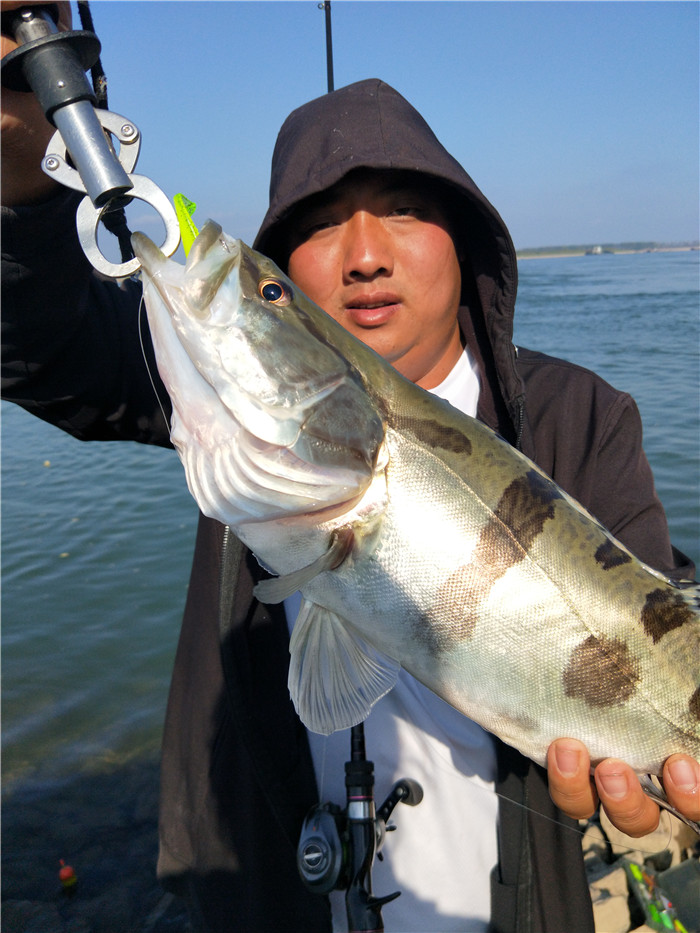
(372, 311)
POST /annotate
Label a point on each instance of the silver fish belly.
(417, 537)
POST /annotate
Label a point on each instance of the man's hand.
(616, 787)
(25, 130)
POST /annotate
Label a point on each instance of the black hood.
(370, 125)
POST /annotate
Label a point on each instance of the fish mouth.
(147, 253)
(211, 259)
(268, 420)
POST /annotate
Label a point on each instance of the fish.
(417, 536)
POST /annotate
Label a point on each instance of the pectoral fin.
(277, 589)
(335, 676)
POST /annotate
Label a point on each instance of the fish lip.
(148, 254)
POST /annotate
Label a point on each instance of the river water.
(97, 538)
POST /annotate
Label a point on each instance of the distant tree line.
(595, 248)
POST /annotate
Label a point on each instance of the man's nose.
(368, 247)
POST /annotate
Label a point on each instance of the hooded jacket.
(237, 776)
(370, 125)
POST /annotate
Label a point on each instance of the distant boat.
(597, 251)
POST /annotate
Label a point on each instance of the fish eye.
(275, 292)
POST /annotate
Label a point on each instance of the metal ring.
(88, 218)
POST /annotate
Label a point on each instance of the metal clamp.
(80, 154)
(55, 162)
(88, 218)
(89, 215)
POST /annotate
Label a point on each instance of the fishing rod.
(326, 6)
(80, 154)
(337, 846)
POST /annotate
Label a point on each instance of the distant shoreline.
(555, 252)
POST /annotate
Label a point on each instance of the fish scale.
(429, 543)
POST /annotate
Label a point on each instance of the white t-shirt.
(443, 850)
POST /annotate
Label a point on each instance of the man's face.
(375, 252)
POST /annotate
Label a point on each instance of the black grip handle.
(48, 62)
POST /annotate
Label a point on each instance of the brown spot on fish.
(609, 555)
(433, 433)
(663, 611)
(518, 519)
(601, 672)
(455, 608)
(694, 704)
(526, 505)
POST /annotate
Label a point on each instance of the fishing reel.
(321, 852)
(337, 845)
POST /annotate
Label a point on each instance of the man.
(389, 234)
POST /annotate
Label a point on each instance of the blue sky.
(579, 120)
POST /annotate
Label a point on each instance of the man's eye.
(406, 211)
(274, 291)
(315, 227)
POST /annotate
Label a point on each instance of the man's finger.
(65, 18)
(628, 807)
(681, 779)
(570, 785)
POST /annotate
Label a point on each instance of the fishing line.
(140, 326)
(618, 847)
(440, 757)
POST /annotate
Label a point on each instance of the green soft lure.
(184, 209)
